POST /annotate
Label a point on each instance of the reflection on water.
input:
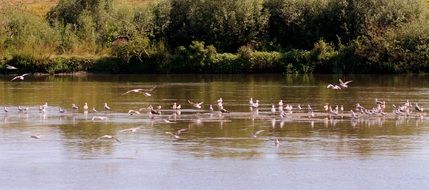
(70, 137)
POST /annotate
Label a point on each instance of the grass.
(41, 7)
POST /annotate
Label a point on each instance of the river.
(216, 150)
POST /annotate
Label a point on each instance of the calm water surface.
(218, 150)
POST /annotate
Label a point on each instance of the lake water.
(218, 151)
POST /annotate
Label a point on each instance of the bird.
(74, 107)
(6, 110)
(155, 112)
(94, 110)
(85, 107)
(276, 142)
(344, 84)
(106, 107)
(326, 107)
(10, 67)
(61, 110)
(36, 136)
(223, 110)
(132, 112)
(108, 137)
(132, 130)
(177, 134)
(167, 121)
(273, 109)
(138, 90)
(20, 77)
(99, 118)
(255, 105)
(211, 108)
(174, 106)
(148, 92)
(353, 114)
(334, 87)
(257, 133)
(196, 105)
(22, 109)
(418, 108)
(251, 102)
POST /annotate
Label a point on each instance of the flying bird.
(177, 134)
(132, 130)
(108, 137)
(334, 87)
(20, 77)
(344, 84)
(10, 67)
(257, 133)
(196, 105)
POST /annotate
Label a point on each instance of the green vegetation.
(219, 36)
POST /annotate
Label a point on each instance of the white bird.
(132, 112)
(10, 67)
(36, 136)
(167, 121)
(132, 130)
(344, 84)
(177, 134)
(223, 110)
(335, 87)
(255, 105)
(106, 107)
(94, 110)
(61, 110)
(74, 107)
(257, 133)
(418, 108)
(196, 105)
(174, 106)
(273, 109)
(85, 107)
(211, 108)
(354, 115)
(6, 110)
(21, 109)
(148, 92)
(138, 90)
(99, 118)
(20, 77)
(276, 142)
(108, 137)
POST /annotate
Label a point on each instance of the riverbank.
(259, 36)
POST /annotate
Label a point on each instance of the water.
(218, 150)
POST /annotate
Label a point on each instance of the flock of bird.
(282, 110)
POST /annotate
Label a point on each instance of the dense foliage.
(220, 36)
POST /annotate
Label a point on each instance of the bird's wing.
(153, 88)
(200, 103)
(181, 131)
(124, 130)
(10, 67)
(258, 132)
(347, 82)
(341, 81)
(170, 133)
(25, 74)
(191, 102)
(329, 86)
(14, 78)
